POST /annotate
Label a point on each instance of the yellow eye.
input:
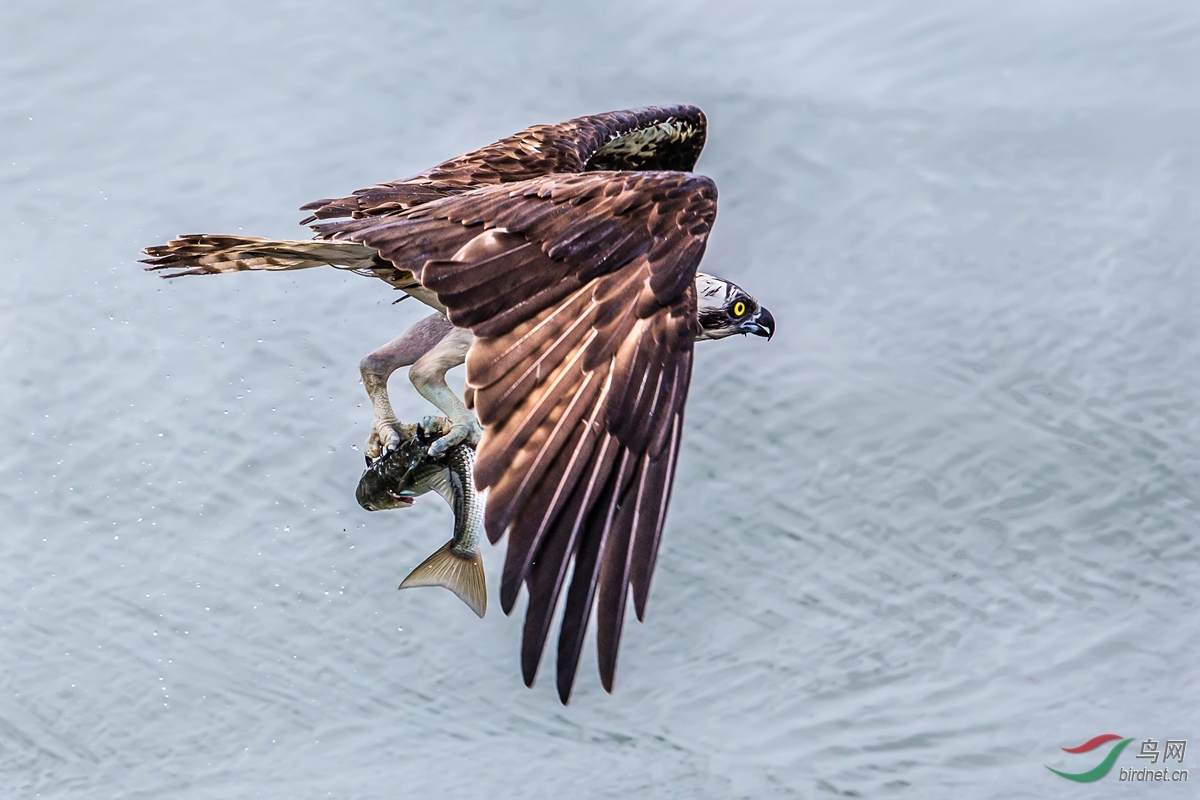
(739, 308)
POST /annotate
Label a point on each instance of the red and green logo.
(1100, 770)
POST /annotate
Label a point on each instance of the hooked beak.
(761, 324)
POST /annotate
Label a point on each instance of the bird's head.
(725, 309)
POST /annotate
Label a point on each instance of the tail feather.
(462, 575)
(210, 254)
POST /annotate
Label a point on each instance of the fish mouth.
(388, 501)
(400, 500)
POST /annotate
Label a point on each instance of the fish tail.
(462, 575)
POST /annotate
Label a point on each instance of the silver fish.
(395, 479)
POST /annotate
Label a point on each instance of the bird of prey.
(561, 263)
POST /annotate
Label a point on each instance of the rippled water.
(943, 525)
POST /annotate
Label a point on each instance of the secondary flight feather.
(561, 263)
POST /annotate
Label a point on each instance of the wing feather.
(584, 311)
(453, 279)
(528, 442)
(615, 573)
(559, 433)
(544, 582)
(491, 359)
(652, 138)
(547, 573)
(498, 400)
(649, 532)
(588, 561)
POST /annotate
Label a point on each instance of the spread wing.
(653, 138)
(580, 290)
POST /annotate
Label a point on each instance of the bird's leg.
(429, 377)
(407, 348)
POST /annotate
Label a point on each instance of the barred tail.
(209, 254)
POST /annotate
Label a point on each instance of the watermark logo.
(1100, 770)
(1173, 749)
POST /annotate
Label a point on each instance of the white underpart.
(711, 292)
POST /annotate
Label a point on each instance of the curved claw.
(470, 432)
(432, 427)
(386, 436)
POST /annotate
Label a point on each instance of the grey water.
(940, 527)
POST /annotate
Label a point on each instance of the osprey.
(561, 263)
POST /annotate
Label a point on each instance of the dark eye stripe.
(712, 320)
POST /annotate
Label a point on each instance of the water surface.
(942, 526)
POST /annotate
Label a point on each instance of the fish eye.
(739, 309)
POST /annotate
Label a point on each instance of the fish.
(397, 478)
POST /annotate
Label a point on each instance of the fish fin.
(462, 575)
(442, 484)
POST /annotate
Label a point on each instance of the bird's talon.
(469, 432)
(431, 427)
(387, 436)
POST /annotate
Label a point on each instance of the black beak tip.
(766, 323)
